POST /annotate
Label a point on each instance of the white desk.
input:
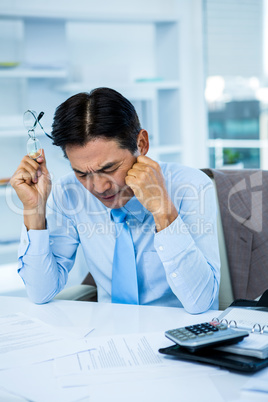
(111, 319)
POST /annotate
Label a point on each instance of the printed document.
(112, 352)
(24, 340)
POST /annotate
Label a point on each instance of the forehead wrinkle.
(102, 167)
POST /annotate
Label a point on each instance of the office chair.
(243, 210)
(226, 291)
(87, 291)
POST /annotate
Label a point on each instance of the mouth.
(109, 197)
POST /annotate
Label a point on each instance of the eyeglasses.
(31, 120)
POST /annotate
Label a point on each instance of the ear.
(143, 142)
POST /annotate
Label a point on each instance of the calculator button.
(210, 333)
(201, 334)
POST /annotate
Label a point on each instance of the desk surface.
(111, 319)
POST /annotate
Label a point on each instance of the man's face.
(101, 166)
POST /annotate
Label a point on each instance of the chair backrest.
(226, 292)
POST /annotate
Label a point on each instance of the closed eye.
(81, 176)
(109, 171)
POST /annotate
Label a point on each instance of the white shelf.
(135, 91)
(161, 84)
(86, 15)
(20, 132)
(166, 149)
(225, 143)
(6, 248)
(12, 126)
(10, 281)
(6, 190)
(20, 72)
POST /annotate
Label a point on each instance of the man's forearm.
(192, 268)
(163, 220)
(35, 219)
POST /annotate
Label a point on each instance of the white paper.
(249, 345)
(259, 383)
(154, 384)
(152, 377)
(24, 340)
(6, 396)
(37, 383)
(253, 341)
(114, 352)
(246, 317)
(191, 388)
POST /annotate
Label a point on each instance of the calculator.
(206, 334)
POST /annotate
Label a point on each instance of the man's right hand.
(32, 184)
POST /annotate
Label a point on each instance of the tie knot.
(118, 215)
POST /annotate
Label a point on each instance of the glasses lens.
(34, 149)
(29, 119)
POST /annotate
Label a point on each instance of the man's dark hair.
(102, 113)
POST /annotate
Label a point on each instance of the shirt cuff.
(172, 240)
(33, 242)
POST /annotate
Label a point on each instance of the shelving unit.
(8, 252)
(5, 190)
(156, 96)
(24, 72)
(151, 57)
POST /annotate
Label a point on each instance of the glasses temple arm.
(38, 119)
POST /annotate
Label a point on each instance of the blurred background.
(196, 71)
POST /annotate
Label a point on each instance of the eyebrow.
(105, 167)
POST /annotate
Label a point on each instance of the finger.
(30, 161)
(42, 163)
(131, 182)
(147, 161)
(22, 176)
(33, 171)
(41, 158)
(141, 166)
(132, 172)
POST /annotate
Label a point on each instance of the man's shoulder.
(181, 174)
(68, 178)
(67, 186)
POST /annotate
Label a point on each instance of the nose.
(101, 183)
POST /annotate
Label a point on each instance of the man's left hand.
(146, 180)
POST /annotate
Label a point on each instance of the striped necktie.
(124, 274)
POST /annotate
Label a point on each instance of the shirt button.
(174, 275)
(24, 241)
(127, 222)
(161, 248)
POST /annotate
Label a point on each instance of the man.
(170, 212)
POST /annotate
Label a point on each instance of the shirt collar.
(135, 208)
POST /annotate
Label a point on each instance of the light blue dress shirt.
(178, 266)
